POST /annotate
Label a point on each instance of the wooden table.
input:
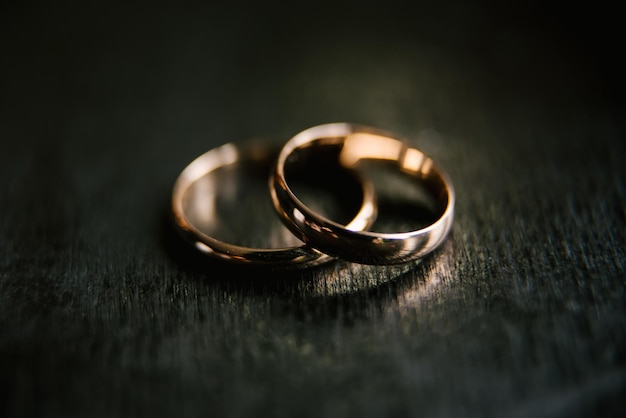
(105, 313)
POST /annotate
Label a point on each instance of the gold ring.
(359, 144)
(260, 156)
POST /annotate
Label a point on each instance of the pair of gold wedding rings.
(343, 145)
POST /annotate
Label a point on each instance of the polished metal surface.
(194, 228)
(360, 143)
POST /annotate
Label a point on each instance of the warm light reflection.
(412, 161)
(427, 167)
(358, 146)
(410, 290)
(203, 247)
(225, 155)
(200, 202)
(361, 222)
(298, 216)
(196, 188)
(437, 274)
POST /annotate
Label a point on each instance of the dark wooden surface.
(104, 313)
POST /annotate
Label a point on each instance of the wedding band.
(357, 144)
(259, 155)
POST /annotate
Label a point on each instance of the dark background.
(104, 313)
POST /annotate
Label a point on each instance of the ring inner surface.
(232, 202)
(407, 201)
(318, 180)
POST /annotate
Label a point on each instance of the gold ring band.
(359, 143)
(258, 154)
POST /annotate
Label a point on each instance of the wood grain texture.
(104, 312)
